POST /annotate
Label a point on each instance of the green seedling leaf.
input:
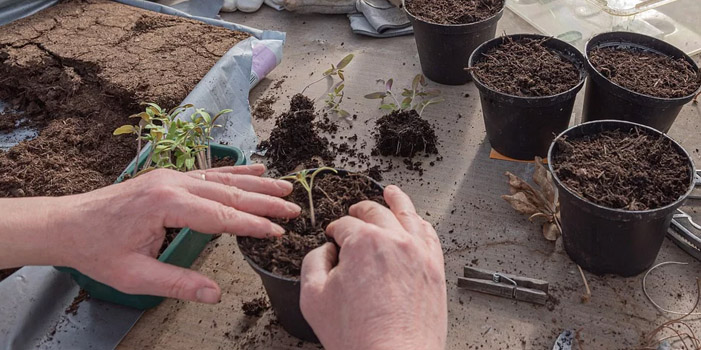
(416, 82)
(339, 88)
(376, 95)
(125, 129)
(389, 107)
(344, 114)
(340, 75)
(345, 61)
(406, 103)
(388, 84)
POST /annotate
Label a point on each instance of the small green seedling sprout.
(335, 95)
(416, 98)
(175, 143)
(301, 177)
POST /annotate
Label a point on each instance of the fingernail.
(278, 230)
(207, 295)
(293, 207)
(284, 185)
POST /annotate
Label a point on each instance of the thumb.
(146, 275)
(317, 265)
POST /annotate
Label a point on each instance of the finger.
(253, 169)
(145, 275)
(400, 204)
(317, 265)
(250, 202)
(208, 216)
(376, 214)
(251, 183)
(346, 227)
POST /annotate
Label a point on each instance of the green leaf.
(416, 82)
(344, 113)
(389, 107)
(190, 163)
(345, 61)
(125, 129)
(406, 103)
(376, 95)
(388, 84)
(339, 88)
(422, 80)
(340, 75)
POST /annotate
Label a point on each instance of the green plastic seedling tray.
(183, 251)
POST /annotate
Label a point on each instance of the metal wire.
(653, 302)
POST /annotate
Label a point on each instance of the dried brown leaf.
(544, 179)
(550, 231)
(516, 184)
(521, 203)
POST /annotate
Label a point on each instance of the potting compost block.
(458, 190)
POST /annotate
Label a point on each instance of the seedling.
(335, 95)
(301, 177)
(175, 143)
(415, 98)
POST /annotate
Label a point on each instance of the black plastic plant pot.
(605, 99)
(284, 292)
(445, 48)
(612, 241)
(524, 127)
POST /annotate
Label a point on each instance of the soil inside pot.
(295, 141)
(630, 170)
(77, 71)
(525, 67)
(404, 133)
(333, 195)
(646, 72)
(453, 11)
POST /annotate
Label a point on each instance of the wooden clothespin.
(504, 285)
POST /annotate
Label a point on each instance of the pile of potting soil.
(404, 133)
(333, 196)
(255, 307)
(295, 141)
(454, 11)
(77, 71)
(646, 72)
(631, 170)
(525, 67)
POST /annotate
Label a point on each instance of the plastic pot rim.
(601, 39)
(498, 14)
(672, 205)
(261, 270)
(530, 99)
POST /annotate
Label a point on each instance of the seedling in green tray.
(175, 144)
(416, 98)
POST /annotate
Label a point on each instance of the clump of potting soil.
(404, 133)
(525, 67)
(295, 141)
(452, 11)
(630, 170)
(76, 78)
(332, 197)
(263, 109)
(646, 72)
(255, 307)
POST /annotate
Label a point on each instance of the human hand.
(388, 289)
(114, 234)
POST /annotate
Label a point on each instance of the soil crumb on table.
(295, 141)
(255, 307)
(77, 71)
(525, 67)
(631, 170)
(404, 133)
(333, 196)
(263, 109)
(454, 11)
(646, 72)
(81, 297)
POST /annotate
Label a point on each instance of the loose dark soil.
(631, 170)
(81, 297)
(295, 141)
(526, 68)
(646, 72)
(333, 195)
(454, 11)
(404, 133)
(264, 108)
(255, 307)
(78, 70)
